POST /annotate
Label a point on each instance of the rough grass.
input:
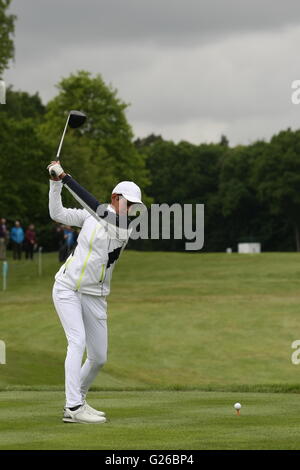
(176, 321)
(189, 335)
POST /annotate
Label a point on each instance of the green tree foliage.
(277, 178)
(21, 105)
(224, 141)
(237, 191)
(101, 153)
(249, 192)
(182, 173)
(245, 200)
(6, 31)
(243, 211)
(22, 178)
(98, 155)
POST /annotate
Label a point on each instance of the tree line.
(250, 192)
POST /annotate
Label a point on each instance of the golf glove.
(55, 170)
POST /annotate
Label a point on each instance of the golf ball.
(237, 406)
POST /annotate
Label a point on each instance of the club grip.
(53, 172)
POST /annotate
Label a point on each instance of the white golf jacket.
(89, 268)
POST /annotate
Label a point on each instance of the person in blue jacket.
(17, 238)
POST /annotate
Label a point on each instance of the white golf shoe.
(82, 415)
(93, 411)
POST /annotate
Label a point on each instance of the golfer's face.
(123, 205)
(120, 204)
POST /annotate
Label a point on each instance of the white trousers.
(84, 319)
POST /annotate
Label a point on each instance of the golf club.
(75, 119)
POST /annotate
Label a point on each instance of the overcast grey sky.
(190, 69)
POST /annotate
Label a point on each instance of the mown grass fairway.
(153, 420)
(177, 321)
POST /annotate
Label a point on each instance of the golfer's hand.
(56, 172)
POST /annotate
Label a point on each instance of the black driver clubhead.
(76, 119)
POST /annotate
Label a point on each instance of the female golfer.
(83, 282)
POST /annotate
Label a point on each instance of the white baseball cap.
(129, 190)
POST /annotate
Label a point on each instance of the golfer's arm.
(109, 220)
(86, 199)
(58, 213)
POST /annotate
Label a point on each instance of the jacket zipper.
(78, 283)
(68, 262)
(102, 273)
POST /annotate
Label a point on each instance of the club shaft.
(62, 139)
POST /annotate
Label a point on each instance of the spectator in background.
(17, 238)
(3, 239)
(76, 235)
(30, 241)
(60, 239)
(69, 241)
